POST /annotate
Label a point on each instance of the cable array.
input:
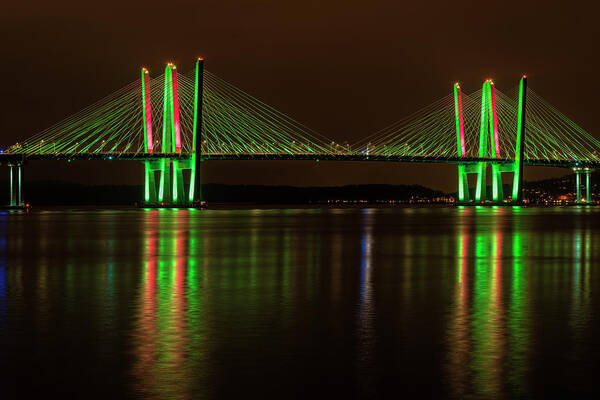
(238, 124)
(431, 131)
(234, 123)
(550, 135)
(111, 125)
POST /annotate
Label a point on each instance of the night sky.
(345, 69)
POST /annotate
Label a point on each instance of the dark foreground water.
(308, 303)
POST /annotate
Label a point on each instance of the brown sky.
(346, 69)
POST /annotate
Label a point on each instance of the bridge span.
(178, 121)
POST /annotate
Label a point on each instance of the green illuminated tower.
(481, 186)
(168, 128)
(463, 182)
(195, 191)
(150, 195)
(517, 190)
(15, 184)
(489, 147)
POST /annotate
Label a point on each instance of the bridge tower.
(150, 192)
(463, 168)
(588, 195)
(489, 147)
(171, 187)
(195, 191)
(517, 168)
(16, 184)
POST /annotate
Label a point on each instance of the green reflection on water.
(518, 325)
(237, 285)
(488, 340)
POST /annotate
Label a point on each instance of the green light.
(19, 189)
(194, 133)
(192, 178)
(166, 143)
(494, 184)
(145, 115)
(480, 181)
(458, 120)
(461, 183)
(12, 198)
(578, 187)
(483, 144)
(175, 174)
(588, 196)
(517, 315)
(161, 189)
(147, 181)
(497, 191)
(518, 166)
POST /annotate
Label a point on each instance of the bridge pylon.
(15, 184)
(170, 190)
(489, 147)
(464, 169)
(517, 189)
(588, 194)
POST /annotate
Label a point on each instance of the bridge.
(174, 122)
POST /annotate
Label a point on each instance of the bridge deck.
(6, 158)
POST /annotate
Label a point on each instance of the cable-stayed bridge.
(174, 122)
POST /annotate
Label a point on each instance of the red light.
(200, 58)
(27, 205)
(162, 203)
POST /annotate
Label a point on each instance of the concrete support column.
(16, 184)
(11, 184)
(497, 189)
(480, 189)
(463, 184)
(177, 191)
(20, 178)
(149, 183)
(578, 186)
(588, 193)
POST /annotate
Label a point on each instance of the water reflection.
(486, 340)
(3, 283)
(452, 302)
(366, 308)
(167, 334)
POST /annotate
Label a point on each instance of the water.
(306, 303)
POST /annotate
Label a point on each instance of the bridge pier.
(464, 170)
(150, 192)
(15, 183)
(481, 188)
(588, 195)
(171, 190)
(463, 184)
(491, 148)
